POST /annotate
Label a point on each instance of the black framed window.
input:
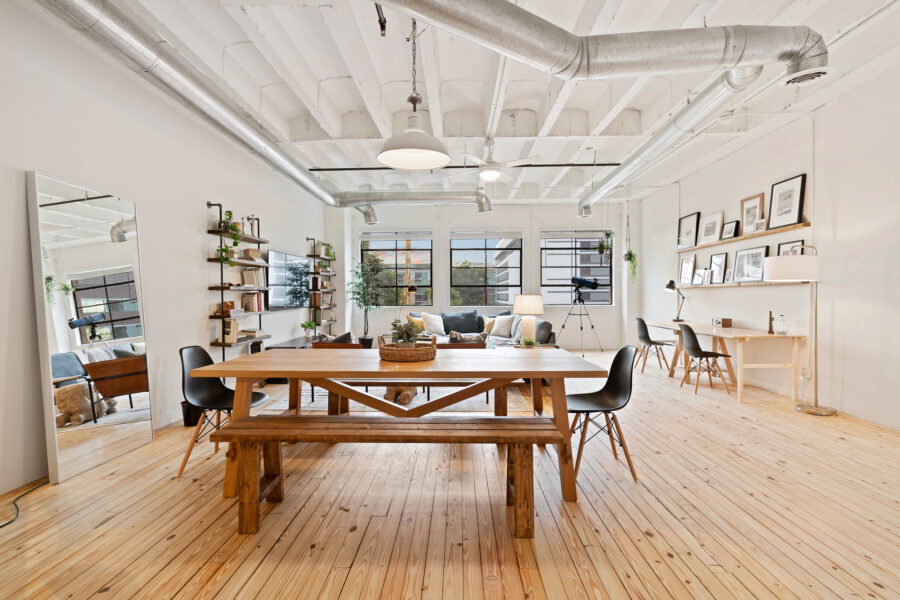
(116, 297)
(565, 255)
(485, 271)
(401, 263)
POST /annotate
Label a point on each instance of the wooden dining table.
(740, 336)
(489, 368)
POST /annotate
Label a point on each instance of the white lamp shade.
(489, 173)
(413, 149)
(791, 267)
(528, 304)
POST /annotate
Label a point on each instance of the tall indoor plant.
(365, 291)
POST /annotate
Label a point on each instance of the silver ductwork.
(139, 48)
(366, 200)
(117, 232)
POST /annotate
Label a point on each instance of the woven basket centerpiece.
(394, 353)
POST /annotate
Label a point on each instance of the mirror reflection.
(98, 382)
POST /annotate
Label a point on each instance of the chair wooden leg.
(709, 373)
(665, 360)
(721, 376)
(612, 440)
(646, 354)
(699, 372)
(574, 424)
(523, 508)
(658, 359)
(638, 359)
(218, 424)
(687, 372)
(248, 487)
(193, 441)
(585, 419)
(624, 445)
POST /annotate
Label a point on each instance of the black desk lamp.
(671, 287)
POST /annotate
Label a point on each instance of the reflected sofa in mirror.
(90, 324)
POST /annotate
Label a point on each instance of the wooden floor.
(734, 501)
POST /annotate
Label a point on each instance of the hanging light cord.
(15, 503)
(414, 98)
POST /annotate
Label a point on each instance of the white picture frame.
(711, 228)
(686, 272)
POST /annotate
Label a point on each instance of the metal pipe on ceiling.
(369, 199)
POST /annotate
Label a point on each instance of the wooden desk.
(492, 368)
(740, 336)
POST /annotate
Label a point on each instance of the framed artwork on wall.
(784, 248)
(686, 273)
(698, 277)
(717, 267)
(711, 228)
(729, 275)
(752, 212)
(786, 202)
(687, 230)
(730, 230)
(748, 264)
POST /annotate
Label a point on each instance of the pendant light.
(414, 149)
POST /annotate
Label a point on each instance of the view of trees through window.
(485, 271)
(113, 295)
(563, 258)
(401, 263)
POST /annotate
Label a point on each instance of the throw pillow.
(344, 338)
(488, 324)
(123, 353)
(464, 321)
(503, 326)
(466, 338)
(434, 324)
(418, 321)
(542, 330)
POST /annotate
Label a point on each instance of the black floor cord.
(16, 504)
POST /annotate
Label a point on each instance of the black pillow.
(542, 331)
(463, 322)
(344, 338)
(122, 353)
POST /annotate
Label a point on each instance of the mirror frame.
(50, 429)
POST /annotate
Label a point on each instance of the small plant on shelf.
(529, 342)
(228, 227)
(329, 250)
(631, 258)
(322, 266)
(405, 334)
(308, 326)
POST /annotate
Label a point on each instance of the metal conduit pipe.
(139, 47)
(366, 200)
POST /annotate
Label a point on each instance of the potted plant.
(321, 266)
(51, 286)
(229, 227)
(405, 334)
(631, 258)
(529, 342)
(606, 242)
(365, 291)
(329, 250)
(308, 326)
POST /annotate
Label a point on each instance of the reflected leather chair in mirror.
(206, 394)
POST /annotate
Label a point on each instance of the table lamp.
(528, 305)
(797, 266)
(671, 287)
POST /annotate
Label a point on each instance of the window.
(568, 254)
(485, 271)
(402, 261)
(113, 295)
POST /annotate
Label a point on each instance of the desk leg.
(295, 386)
(678, 351)
(564, 450)
(500, 401)
(740, 372)
(724, 350)
(795, 369)
(537, 396)
(242, 393)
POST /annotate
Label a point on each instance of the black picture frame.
(735, 233)
(776, 215)
(788, 246)
(689, 235)
(739, 275)
(720, 271)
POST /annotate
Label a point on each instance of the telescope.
(85, 321)
(581, 282)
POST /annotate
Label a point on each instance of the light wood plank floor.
(734, 501)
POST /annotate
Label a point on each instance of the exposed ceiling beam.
(496, 95)
(428, 50)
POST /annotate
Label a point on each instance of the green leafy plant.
(322, 265)
(228, 226)
(606, 242)
(308, 325)
(365, 291)
(51, 286)
(529, 342)
(329, 250)
(631, 258)
(405, 332)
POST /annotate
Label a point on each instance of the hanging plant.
(631, 258)
(228, 226)
(51, 286)
(606, 243)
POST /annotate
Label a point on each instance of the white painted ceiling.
(320, 77)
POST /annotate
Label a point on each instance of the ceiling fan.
(489, 169)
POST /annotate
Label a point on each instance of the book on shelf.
(249, 302)
(253, 277)
(230, 331)
(251, 333)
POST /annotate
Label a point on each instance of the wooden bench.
(266, 433)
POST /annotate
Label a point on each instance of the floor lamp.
(797, 266)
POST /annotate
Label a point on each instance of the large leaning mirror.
(90, 324)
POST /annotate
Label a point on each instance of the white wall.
(69, 111)
(442, 220)
(848, 150)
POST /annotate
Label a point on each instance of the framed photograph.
(748, 264)
(729, 275)
(717, 267)
(730, 230)
(759, 226)
(752, 212)
(686, 273)
(784, 248)
(687, 230)
(707, 276)
(711, 228)
(698, 277)
(786, 202)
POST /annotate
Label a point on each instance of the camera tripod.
(581, 312)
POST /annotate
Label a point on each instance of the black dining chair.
(650, 345)
(695, 353)
(611, 397)
(207, 394)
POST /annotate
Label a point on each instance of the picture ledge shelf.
(748, 236)
(712, 286)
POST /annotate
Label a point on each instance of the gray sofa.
(469, 321)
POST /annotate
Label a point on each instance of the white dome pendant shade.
(414, 149)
